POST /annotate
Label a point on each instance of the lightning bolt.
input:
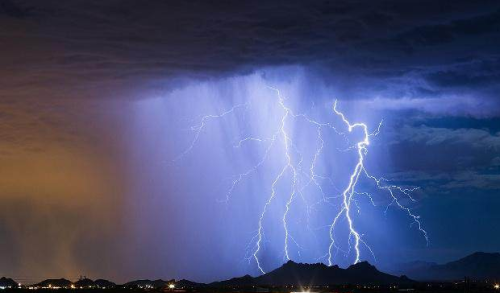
(289, 166)
(350, 191)
(199, 128)
(293, 169)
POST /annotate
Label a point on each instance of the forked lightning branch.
(293, 172)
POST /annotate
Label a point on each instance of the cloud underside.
(416, 52)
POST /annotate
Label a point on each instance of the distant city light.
(497, 286)
(171, 286)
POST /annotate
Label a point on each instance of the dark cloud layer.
(85, 48)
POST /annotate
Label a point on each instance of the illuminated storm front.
(300, 181)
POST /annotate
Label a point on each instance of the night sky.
(98, 99)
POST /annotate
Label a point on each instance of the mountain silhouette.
(85, 283)
(299, 274)
(188, 284)
(477, 266)
(246, 280)
(61, 283)
(101, 283)
(148, 283)
(7, 283)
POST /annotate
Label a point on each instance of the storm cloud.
(97, 97)
(127, 49)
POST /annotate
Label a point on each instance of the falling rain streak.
(293, 171)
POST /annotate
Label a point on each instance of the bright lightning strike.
(350, 190)
(300, 178)
(289, 167)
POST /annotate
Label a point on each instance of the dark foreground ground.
(422, 287)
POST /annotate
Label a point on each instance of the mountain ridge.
(477, 266)
(7, 283)
(318, 274)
